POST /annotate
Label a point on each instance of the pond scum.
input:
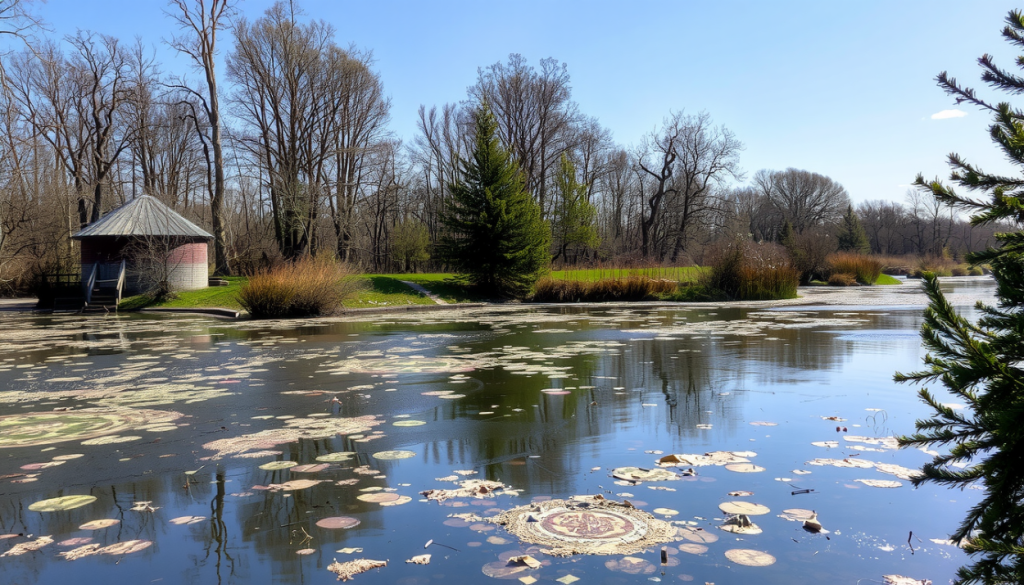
(77, 400)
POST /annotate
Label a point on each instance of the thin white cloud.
(947, 114)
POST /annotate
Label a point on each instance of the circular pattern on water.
(586, 525)
(46, 428)
(589, 526)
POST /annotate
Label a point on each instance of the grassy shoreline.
(388, 290)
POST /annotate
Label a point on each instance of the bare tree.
(535, 113)
(201, 20)
(805, 199)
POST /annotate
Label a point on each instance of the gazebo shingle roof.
(142, 216)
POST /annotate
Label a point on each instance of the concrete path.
(424, 292)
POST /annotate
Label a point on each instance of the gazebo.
(139, 242)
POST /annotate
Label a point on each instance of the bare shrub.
(632, 288)
(304, 288)
(751, 271)
(842, 279)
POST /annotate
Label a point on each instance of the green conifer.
(980, 363)
(495, 235)
(852, 237)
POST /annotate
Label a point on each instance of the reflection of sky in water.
(640, 379)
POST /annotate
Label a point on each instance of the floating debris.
(880, 483)
(187, 520)
(420, 560)
(26, 547)
(641, 474)
(294, 430)
(740, 524)
(470, 488)
(901, 580)
(744, 468)
(349, 569)
(712, 458)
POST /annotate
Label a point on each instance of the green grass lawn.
(383, 290)
(886, 279)
(214, 296)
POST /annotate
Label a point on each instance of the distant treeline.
(288, 152)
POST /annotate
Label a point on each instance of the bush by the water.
(865, 269)
(633, 288)
(750, 271)
(304, 288)
(842, 279)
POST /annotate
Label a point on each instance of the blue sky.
(842, 88)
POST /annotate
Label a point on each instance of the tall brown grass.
(304, 288)
(865, 268)
(752, 271)
(913, 265)
(632, 288)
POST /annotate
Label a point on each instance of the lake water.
(547, 401)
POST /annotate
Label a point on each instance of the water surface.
(639, 382)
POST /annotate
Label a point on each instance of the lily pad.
(392, 455)
(278, 465)
(310, 468)
(62, 503)
(692, 548)
(748, 508)
(335, 457)
(378, 497)
(401, 500)
(749, 558)
(797, 514)
(408, 423)
(631, 566)
(338, 522)
(99, 524)
(697, 535)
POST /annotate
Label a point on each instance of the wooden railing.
(89, 283)
(120, 282)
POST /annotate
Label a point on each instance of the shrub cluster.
(865, 269)
(304, 288)
(750, 271)
(633, 288)
(842, 279)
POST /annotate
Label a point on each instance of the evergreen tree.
(786, 235)
(980, 363)
(852, 237)
(495, 234)
(573, 219)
